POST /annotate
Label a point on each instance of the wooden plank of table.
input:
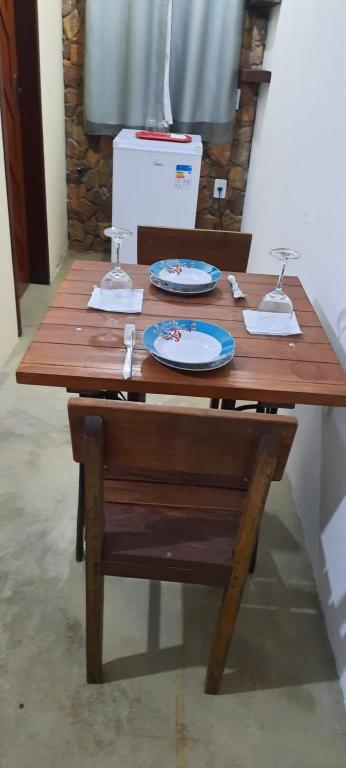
(221, 295)
(148, 378)
(82, 348)
(82, 281)
(245, 347)
(77, 280)
(105, 357)
(98, 319)
(138, 269)
(179, 308)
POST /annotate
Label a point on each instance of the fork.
(129, 341)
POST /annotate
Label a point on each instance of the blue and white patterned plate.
(185, 273)
(197, 367)
(181, 290)
(194, 344)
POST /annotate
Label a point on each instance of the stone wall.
(89, 158)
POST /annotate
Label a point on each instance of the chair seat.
(172, 541)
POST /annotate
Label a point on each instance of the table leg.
(228, 405)
(80, 517)
(136, 397)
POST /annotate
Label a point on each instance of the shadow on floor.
(279, 640)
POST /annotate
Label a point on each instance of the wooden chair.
(226, 250)
(173, 494)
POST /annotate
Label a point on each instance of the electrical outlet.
(220, 184)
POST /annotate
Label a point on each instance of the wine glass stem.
(280, 280)
(117, 254)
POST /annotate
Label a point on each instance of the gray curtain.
(129, 50)
(124, 63)
(205, 51)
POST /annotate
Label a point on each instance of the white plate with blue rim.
(199, 367)
(181, 290)
(186, 275)
(189, 344)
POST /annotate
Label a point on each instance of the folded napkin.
(117, 301)
(271, 323)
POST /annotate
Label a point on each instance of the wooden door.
(11, 126)
(28, 61)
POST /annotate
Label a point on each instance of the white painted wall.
(8, 319)
(296, 197)
(52, 86)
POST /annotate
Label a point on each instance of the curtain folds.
(205, 50)
(124, 63)
(146, 58)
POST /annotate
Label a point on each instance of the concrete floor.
(280, 705)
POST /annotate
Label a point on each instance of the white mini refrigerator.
(154, 183)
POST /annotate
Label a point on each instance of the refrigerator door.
(154, 183)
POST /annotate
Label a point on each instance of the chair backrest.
(212, 447)
(225, 250)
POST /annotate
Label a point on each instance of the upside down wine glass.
(276, 300)
(117, 278)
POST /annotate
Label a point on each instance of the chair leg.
(94, 623)
(265, 464)
(223, 635)
(214, 403)
(79, 548)
(94, 515)
(80, 517)
(253, 561)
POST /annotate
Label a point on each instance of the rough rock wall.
(89, 158)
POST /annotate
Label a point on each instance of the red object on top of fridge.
(180, 138)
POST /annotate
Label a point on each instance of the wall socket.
(220, 183)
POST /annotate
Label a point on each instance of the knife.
(129, 341)
(237, 292)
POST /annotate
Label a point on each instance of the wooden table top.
(82, 349)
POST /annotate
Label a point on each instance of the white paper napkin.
(117, 301)
(271, 323)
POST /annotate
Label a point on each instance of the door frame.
(29, 84)
(28, 87)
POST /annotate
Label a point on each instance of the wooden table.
(82, 349)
